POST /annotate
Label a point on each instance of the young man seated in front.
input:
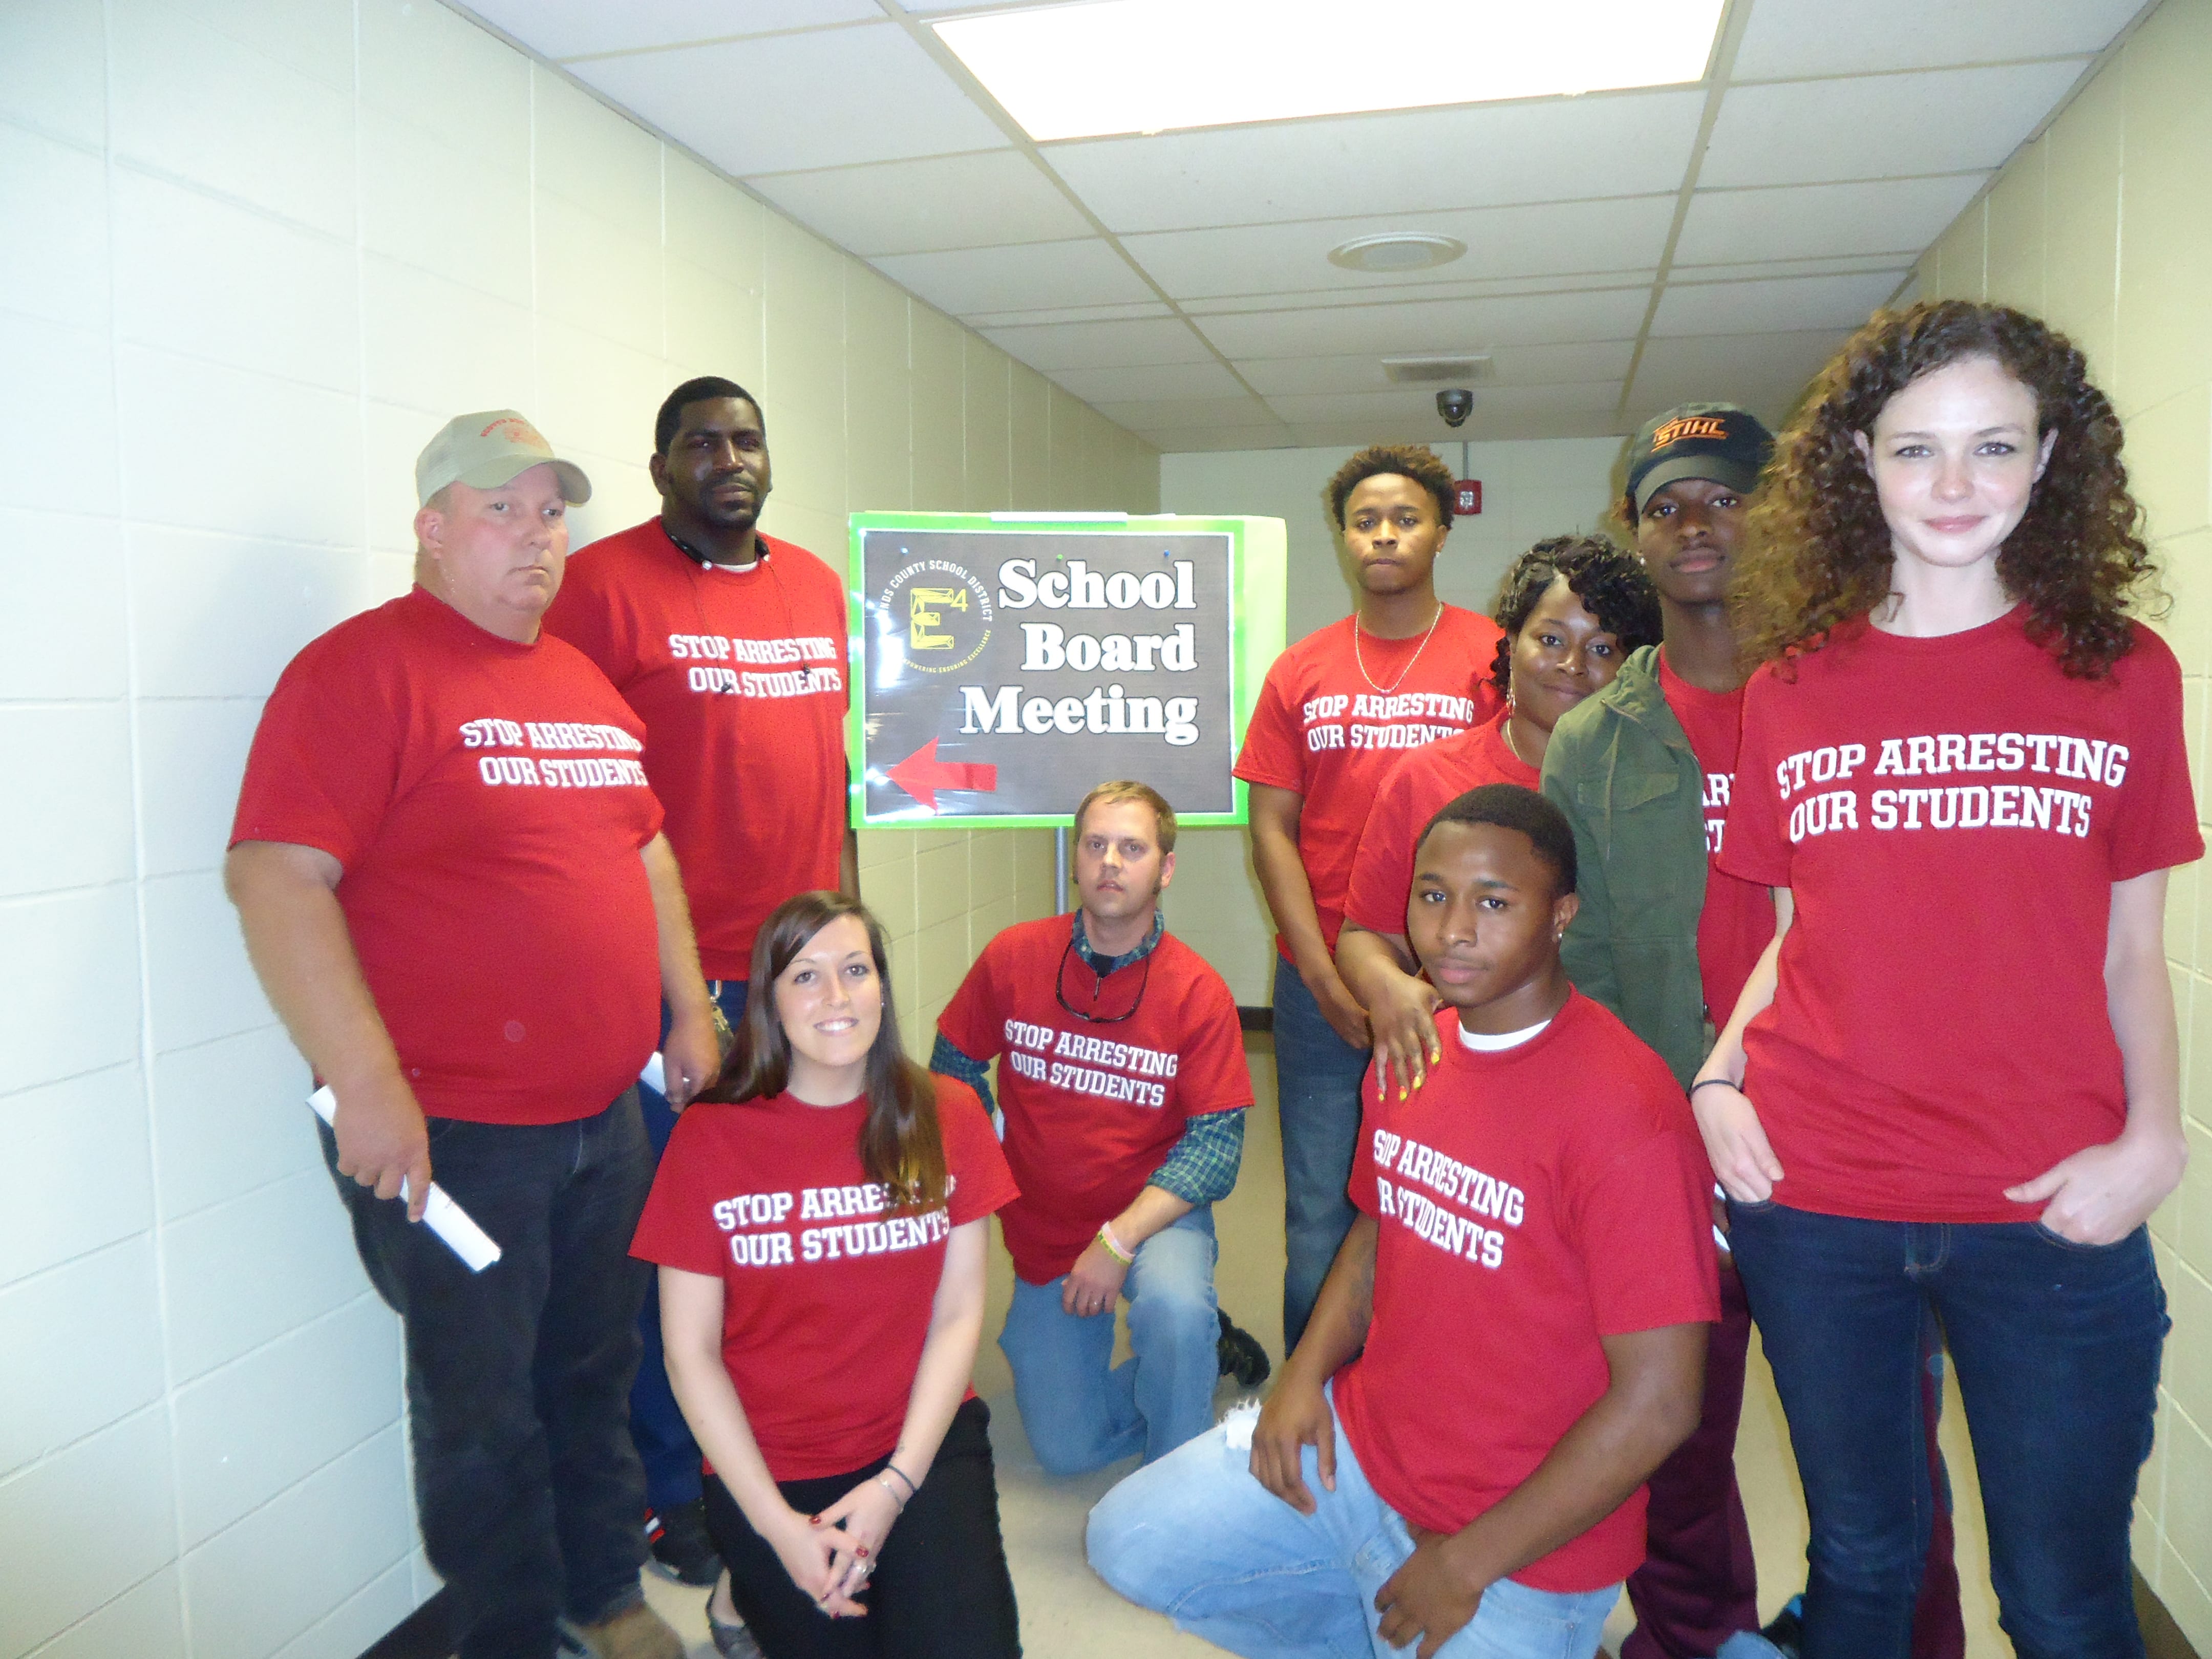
(1511, 1339)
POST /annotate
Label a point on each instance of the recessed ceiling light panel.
(1141, 66)
(1396, 249)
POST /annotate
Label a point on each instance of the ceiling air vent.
(1460, 368)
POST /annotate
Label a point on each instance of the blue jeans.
(1079, 1414)
(663, 1439)
(525, 1480)
(2056, 1348)
(1317, 1078)
(1194, 1536)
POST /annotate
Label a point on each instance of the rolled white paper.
(441, 1215)
(655, 1075)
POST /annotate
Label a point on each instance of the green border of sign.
(1258, 573)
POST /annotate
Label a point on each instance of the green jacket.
(1621, 767)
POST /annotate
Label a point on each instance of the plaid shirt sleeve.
(950, 1061)
(1202, 1167)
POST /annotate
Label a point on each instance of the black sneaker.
(1788, 1629)
(681, 1549)
(1239, 1354)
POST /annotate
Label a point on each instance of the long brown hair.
(1820, 550)
(901, 1146)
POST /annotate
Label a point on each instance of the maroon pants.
(1698, 1585)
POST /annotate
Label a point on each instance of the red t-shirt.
(1323, 729)
(1950, 815)
(486, 801)
(1092, 1108)
(1738, 918)
(1415, 788)
(826, 1301)
(739, 677)
(1531, 1201)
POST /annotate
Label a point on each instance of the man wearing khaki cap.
(452, 883)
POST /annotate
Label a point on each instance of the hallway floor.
(1067, 1613)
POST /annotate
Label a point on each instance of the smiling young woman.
(1931, 1098)
(818, 1222)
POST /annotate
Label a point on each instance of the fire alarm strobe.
(1466, 497)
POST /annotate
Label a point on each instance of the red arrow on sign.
(921, 774)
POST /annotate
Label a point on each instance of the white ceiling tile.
(1185, 411)
(1431, 326)
(1052, 347)
(792, 101)
(1414, 408)
(1773, 306)
(1501, 242)
(564, 28)
(1479, 289)
(1819, 37)
(1034, 317)
(996, 197)
(1764, 372)
(1481, 156)
(1880, 126)
(1482, 426)
(968, 280)
(1129, 383)
(1891, 215)
(1510, 366)
(1684, 272)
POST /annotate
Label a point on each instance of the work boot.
(1239, 1354)
(636, 1633)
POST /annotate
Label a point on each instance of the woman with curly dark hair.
(1572, 608)
(1951, 1083)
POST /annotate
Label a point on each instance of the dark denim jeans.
(1317, 1078)
(665, 1444)
(518, 1378)
(2057, 1347)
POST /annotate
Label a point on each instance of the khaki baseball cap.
(488, 449)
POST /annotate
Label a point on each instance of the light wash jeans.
(1197, 1538)
(1082, 1412)
(1318, 1080)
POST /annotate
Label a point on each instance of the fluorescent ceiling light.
(1122, 66)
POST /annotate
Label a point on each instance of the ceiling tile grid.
(1623, 251)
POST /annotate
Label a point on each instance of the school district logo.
(940, 611)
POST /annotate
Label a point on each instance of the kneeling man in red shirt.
(1511, 1339)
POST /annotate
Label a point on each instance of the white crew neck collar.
(1484, 1043)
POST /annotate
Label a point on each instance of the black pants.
(940, 1589)
(518, 1378)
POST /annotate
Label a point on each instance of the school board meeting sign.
(1010, 661)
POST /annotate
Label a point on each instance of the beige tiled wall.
(2101, 225)
(253, 255)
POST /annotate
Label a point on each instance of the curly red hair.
(1819, 551)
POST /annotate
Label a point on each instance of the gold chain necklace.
(1385, 690)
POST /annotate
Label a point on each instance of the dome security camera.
(1456, 406)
